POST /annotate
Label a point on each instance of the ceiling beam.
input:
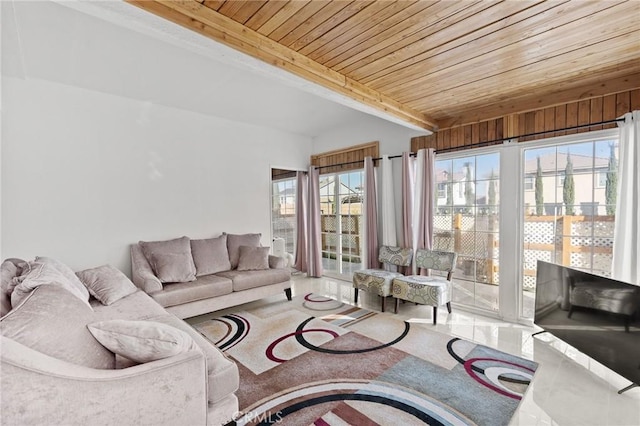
(194, 16)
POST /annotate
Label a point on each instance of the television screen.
(597, 315)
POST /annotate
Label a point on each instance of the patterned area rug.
(317, 361)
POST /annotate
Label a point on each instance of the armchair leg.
(397, 303)
(287, 292)
(384, 299)
(355, 298)
(449, 307)
(435, 315)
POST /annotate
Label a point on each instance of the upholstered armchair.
(428, 290)
(379, 281)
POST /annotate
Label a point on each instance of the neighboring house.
(589, 191)
(350, 199)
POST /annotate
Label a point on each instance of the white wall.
(394, 140)
(88, 168)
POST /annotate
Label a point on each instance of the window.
(528, 183)
(468, 224)
(576, 222)
(341, 198)
(283, 207)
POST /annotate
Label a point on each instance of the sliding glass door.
(283, 209)
(569, 209)
(467, 222)
(341, 196)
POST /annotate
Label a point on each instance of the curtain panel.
(302, 199)
(423, 209)
(407, 205)
(626, 237)
(370, 216)
(314, 251)
(388, 204)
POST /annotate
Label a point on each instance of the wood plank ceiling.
(434, 63)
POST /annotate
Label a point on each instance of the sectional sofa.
(92, 348)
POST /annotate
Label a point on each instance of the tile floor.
(569, 388)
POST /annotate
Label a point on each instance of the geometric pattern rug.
(318, 361)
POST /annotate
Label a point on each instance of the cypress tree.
(568, 189)
(469, 196)
(492, 193)
(539, 195)
(611, 184)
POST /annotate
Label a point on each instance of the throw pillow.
(210, 255)
(106, 283)
(170, 260)
(253, 258)
(234, 241)
(43, 271)
(141, 341)
(54, 322)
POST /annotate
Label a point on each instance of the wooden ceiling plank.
(421, 35)
(230, 8)
(195, 16)
(617, 74)
(462, 98)
(361, 21)
(331, 23)
(459, 100)
(244, 10)
(397, 35)
(449, 38)
(546, 72)
(513, 56)
(483, 109)
(214, 4)
(532, 31)
(298, 19)
(282, 16)
(386, 28)
(265, 13)
(314, 21)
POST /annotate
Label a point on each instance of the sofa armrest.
(141, 272)
(39, 389)
(276, 262)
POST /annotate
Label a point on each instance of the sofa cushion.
(171, 260)
(234, 241)
(203, 288)
(223, 373)
(243, 280)
(141, 341)
(210, 255)
(136, 306)
(47, 271)
(253, 258)
(8, 271)
(53, 321)
(106, 283)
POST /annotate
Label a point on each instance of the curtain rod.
(486, 143)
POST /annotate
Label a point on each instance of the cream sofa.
(55, 372)
(193, 277)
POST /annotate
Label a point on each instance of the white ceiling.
(162, 63)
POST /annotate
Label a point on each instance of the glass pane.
(488, 166)
(569, 214)
(444, 171)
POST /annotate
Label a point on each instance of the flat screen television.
(598, 316)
